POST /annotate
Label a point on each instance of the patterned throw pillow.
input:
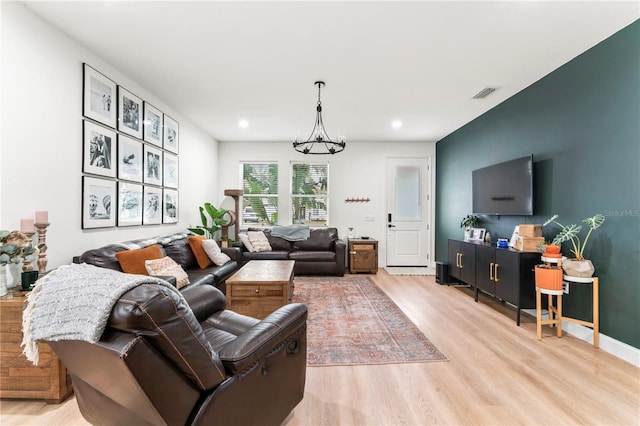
(245, 240)
(195, 242)
(132, 261)
(167, 267)
(215, 254)
(259, 241)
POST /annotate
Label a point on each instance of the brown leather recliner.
(162, 361)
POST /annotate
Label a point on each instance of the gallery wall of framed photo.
(129, 160)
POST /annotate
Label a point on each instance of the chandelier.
(319, 142)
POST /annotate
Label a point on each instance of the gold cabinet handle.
(461, 261)
(495, 273)
(491, 271)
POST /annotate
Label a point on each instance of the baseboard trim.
(608, 344)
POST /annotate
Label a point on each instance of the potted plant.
(470, 221)
(578, 267)
(212, 224)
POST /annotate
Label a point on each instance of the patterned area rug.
(352, 321)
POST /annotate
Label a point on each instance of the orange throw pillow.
(195, 241)
(132, 261)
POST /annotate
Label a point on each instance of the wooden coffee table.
(260, 287)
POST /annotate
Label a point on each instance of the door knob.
(391, 226)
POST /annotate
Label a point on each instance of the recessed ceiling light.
(396, 124)
(243, 123)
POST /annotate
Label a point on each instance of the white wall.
(41, 138)
(357, 172)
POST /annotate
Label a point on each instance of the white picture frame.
(514, 236)
(171, 136)
(170, 170)
(129, 113)
(98, 149)
(152, 161)
(152, 205)
(477, 234)
(153, 124)
(99, 97)
(98, 203)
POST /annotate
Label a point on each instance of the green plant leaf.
(595, 221)
(198, 231)
(551, 219)
(567, 233)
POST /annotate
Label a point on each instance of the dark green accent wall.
(582, 124)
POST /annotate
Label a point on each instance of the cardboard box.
(530, 230)
(529, 244)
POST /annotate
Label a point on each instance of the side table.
(363, 255)
(19, 378)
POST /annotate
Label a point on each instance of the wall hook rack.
(356, 200)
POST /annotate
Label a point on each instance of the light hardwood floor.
(497, 373)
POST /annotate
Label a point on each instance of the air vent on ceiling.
(485, 92)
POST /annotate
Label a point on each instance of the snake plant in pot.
(579, 266)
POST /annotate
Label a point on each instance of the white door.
(408, 212)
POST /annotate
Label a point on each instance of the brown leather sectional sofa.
(323, 253)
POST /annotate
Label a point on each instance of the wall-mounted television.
(505, 188)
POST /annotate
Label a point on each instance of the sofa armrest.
(341, 257)
(168, 278)
(259, 340)
(235, 253)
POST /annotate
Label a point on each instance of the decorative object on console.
(467, 223)
(578, 267)
(319, 138)
(477, 234)
(529, 237)
(15, 247)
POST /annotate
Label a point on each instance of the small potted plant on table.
(470, 221)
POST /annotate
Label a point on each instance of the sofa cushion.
(245, 240)
(313, 256)
(167, 266)
(321, 239)
(214, 253)
(195, 242)
(132, 261)
(259, 241)
(180, 251)
(266, 255)
(276, 243)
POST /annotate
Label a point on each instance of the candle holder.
(42, 246)
(27, 265)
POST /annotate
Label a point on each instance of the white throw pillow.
(245, 240)
(215, 254)
(167, 267)
(259, 241)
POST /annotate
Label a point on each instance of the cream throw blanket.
(74, 302)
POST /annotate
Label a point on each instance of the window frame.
(292, 196)
(275, 197)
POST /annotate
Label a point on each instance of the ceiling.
(419, 62)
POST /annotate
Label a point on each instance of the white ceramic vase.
(13, 271)
(467, 234)
(3, 280)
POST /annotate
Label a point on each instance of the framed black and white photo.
(129, 204)
(152, 125)
(97, 198)
(152, 206)
(152, 165)
(170, 168)
(171, 134)
(99, 150)
(99, 97)
(170, 206)
(477, 234)
(129, 113)
(129, 159)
